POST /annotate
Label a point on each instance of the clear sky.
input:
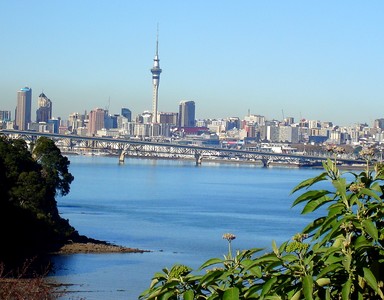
(319, 60)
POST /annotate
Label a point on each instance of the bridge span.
(154, 149)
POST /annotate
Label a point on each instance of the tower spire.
(155, 78)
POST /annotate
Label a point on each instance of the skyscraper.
(187, 114)
(96, 120)
(155, 81)
(125, 112)
(44, 110)
(23, 109)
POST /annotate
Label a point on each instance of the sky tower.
(155, 79)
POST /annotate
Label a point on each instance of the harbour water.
(174, 209)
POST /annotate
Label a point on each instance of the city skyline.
(320, 62)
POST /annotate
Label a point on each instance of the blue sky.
(307, 59)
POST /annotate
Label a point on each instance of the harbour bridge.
(69, 143)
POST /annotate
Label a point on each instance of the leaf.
(274, 247)
(371, 229)
(231, 294)
(346, 290)
(212, 261)
(267, 286)
(309, 182)
(314, 225)
(188, 295)
(315, 204)
(370, 193)
(370, 279)
(308, 287)
(310, 195)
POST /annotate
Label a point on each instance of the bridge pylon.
(266, 161)
(122, 156)
(198, 158)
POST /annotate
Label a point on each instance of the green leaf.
(309, 182)
(310, 195)
(267, 286)
(188, 295)
(346, 290)
(315, 204)
(274, 247)
(370, 193)
(308, 287)
(231, 294)
(370, 279)
(212, 261)
(371, 229)
(314, 225)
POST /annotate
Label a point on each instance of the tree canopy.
(29, 218)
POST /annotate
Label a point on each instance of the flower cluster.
(296, 247)
(229, 237)
(299, 237)
(367, 152)
(179, 270)
(335, 149)
(356, 187)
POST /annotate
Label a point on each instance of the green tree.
(30, 223)
(55, 166)
(339, 255)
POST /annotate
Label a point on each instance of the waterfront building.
(378, 123)
(156, 71)
(186, 114)
(23, 109)
(96, 120)
(168, 118)
(125, 112)
(5, 115)
(76, 121)
(44, 109)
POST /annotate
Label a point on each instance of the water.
(173, 208)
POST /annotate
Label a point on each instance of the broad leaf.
(371, 229)
(308, 287)
(231, 294)
(309, 182)
(188, 295)
(315, 204)
(370, 279)
(210, 262)
(345, 292)
(310, 195)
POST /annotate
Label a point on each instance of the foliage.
(337, 256)
(29, 219)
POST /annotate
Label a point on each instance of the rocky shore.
(96, 247)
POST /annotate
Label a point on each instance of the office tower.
(96, 120)
(5, 115)
(44, 109)
(125, 112)
(23, 109)
(168, 118)
(155, 81)
(187, 114)
(378, 123)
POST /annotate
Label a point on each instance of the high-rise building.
(44, 109)
(96, 120)
(23, 109)
(5, 115)
(186, 114)
(155, 81)
(125, 112)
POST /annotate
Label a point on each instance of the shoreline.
(92, 248)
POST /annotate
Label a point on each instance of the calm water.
(173, 208)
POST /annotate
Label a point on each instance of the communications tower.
(155, 80)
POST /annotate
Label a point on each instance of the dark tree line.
(30, 223)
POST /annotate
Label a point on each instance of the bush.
(336, 256)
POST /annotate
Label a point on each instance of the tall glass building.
(187, 114)
(23, 109)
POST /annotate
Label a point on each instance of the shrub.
(337, 256)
